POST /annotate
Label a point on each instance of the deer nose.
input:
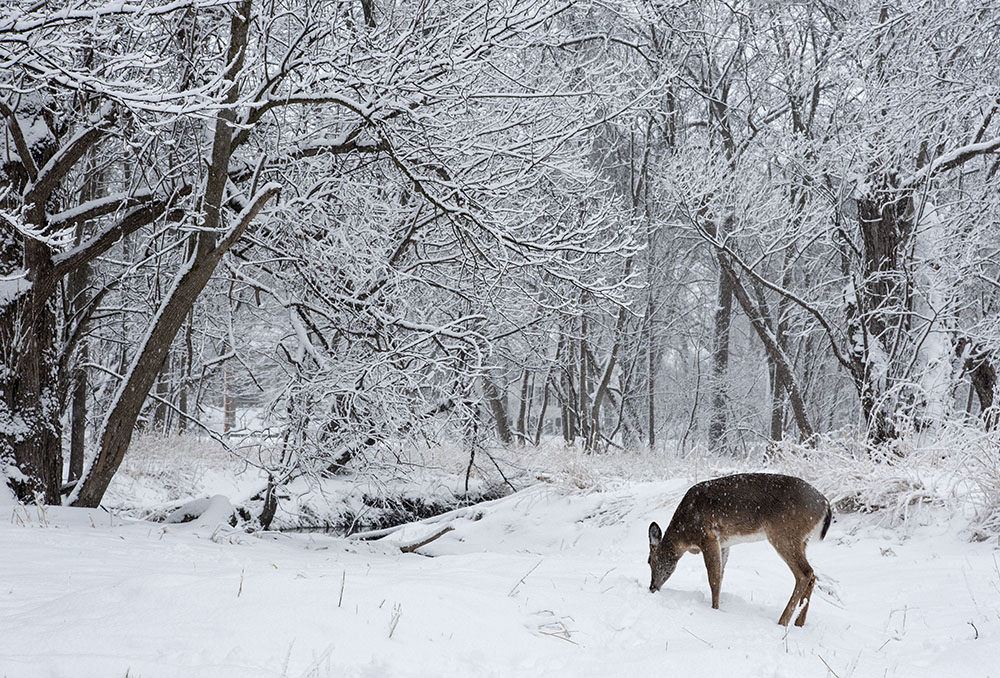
(652, 589)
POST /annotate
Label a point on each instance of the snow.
(933, 322)
(551, 580)
(13, 286)
(210, 511)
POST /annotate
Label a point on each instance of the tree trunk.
(602, 387)
(979, 365)
(880, 307)
(499, 410)
(191, 280)
(78, 419)
(30, 426)
(228, 408)
(160, 409)
(31, 436)
(582, 406)
(127, 404)
(184, 382)
(568, 395)
(650, 373)
(758, 317)
(777, 402)
(720, 360)
(540, 424)
(524, 406)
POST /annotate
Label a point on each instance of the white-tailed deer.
(715, 514)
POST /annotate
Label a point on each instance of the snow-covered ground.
(550, 581)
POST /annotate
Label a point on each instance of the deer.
(716, 514)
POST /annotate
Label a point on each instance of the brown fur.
(785, 509)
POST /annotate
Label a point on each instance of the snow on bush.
(956, 469)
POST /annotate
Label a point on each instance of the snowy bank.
(549, 581)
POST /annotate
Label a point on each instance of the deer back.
(749, 506)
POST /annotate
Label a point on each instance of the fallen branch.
(473, 510)
(410, 548)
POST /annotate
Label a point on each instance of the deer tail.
(826, 521)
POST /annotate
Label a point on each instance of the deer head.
(662, 558)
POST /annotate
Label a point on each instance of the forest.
(346, 264)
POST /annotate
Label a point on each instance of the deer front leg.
(713, 563)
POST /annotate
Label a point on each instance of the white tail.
(715, 514)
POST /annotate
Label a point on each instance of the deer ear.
(654, 534)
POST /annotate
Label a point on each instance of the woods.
(343, 229)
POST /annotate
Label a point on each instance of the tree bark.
(582, 406)
(31, 436)
(540, 424)
(650, 372)
(78, 419)
(720, 359)
(609, 367)
(776, 428)
(979, 364)
(499, 410)
(524, 407)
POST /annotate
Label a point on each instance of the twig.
(240, 591)
(827, 666)
(521, 580)
(410, 548)
(560, 636)
(694, 636)
(343, 579)
(397, 612)
(500, 471)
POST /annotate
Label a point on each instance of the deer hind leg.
(794, 554)
(713, 563)
(801, 619)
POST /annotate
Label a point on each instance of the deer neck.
(673, 544)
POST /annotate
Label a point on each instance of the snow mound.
(208, 511)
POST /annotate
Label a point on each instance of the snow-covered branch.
(146, 210)
(950, 160)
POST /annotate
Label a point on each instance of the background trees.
(356, 223)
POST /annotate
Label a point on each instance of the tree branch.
(19, 142)
(248, 214)
(788, 294)
(147, 212)
(94, 209)
(63, 161)
(411, 548)
(951, 160)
